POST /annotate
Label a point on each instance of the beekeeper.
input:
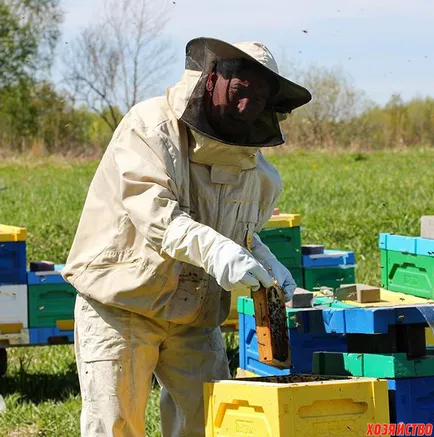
(168, 229)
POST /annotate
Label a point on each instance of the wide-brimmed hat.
(201, 51)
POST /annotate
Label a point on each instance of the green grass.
(43, 396)
(345, 201)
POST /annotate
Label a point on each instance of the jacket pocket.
(247, 219)
(103, 331)
(118, 248)
(185, 304)
(110, 257)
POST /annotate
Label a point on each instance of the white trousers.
(118, 351)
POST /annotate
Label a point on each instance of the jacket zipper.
(217, 223)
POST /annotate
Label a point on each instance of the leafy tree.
(29, 30)
(117, 61)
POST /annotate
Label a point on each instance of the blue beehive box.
(329, 258)
(411, 400)
(371, 320)
(45, 336)
(13, 263)
(50, 277)
(39, 278)
(401, 243)
(302, 344)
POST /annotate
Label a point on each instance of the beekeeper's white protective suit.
(169, 227)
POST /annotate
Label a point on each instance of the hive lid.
(12, 233)
(283, 221)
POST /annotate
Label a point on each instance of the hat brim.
(289, 96)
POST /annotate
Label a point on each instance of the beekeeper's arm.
(280, 273)
(262, 253)
(150, 197)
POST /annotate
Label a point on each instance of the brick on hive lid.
(301, 299)
(312, 249)
(42, 266)
(361, 293)
(427, 226)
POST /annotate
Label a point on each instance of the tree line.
(118, 60)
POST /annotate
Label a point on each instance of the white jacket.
(154, 170)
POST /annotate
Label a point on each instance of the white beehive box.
(13, 308)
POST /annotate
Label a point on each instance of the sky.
(385, 46)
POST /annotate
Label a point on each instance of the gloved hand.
(234, 267)
(230, 264)
(276, 269)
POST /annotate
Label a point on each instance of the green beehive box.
(297, 274)
(246, 306)
(285, 244)
(407, 273)
(332, 277)
(372, 365)
(50, 303)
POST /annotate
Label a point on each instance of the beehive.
(407, 264)
(292, 405)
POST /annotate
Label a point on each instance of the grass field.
(345, 201)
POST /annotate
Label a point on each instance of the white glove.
(234, 267)
(280, 273)
(230, 264)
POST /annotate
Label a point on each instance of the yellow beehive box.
(283, 221)
(387, 298)
(235, 294)
(243, 373)
(231, 324)
(429, 337)
(12, 233)
(295, 405)
(15, 338)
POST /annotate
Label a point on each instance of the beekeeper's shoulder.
(150, 115)
(269, 171)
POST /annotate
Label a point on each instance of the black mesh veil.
(202, 55)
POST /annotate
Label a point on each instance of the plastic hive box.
(297, 275)
(401, 243)
(407, 264)
(328, 276)
(387, 298)
(13, 263)
(246, 306)
(372, 365)
(329, 258)
(302, 345)
(15, 338)
(294, 405)
(375, 320)
(49, 336)
(411, 400)
(285, 244)
(13, 308)
(429, 335)
(12, 233)
(305, 337)
(306, 320)
(283, 221)
(408, 273)
(40, 278)
(50, 303)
